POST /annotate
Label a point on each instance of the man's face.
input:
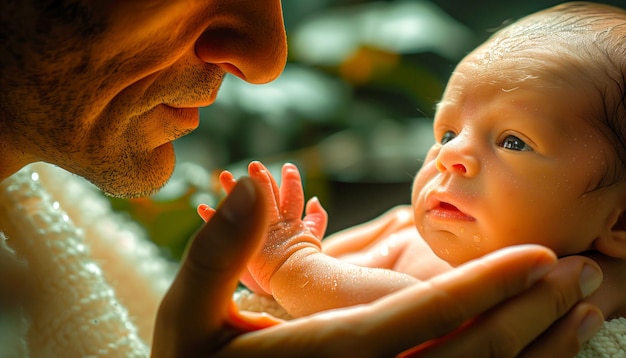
(102, 88)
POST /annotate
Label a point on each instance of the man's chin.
(139, 178)
(130, 193)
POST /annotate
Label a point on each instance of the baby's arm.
(291, 266)
(389, 241)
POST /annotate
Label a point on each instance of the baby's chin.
(456, 255)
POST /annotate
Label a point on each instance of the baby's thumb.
(316, 218)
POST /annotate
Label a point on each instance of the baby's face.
(512, 164)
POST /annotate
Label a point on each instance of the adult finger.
(509, 328)
(206, 212)
(611, 296)
(196, 308)
(15, 283)
(565, 338)
(411, 316)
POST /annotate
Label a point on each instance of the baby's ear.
(613, 243)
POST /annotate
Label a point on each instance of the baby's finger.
(228, 181)
(261, 168)
(316, 218)
(269, 189)
(205, 212)
(291, 193)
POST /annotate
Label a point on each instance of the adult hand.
(196, 316)
(546, 320)
(611, 296)
(15, 283)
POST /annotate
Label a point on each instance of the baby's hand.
(288, 232)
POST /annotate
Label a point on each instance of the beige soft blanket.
(99, 280)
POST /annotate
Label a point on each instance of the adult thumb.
(195, 310)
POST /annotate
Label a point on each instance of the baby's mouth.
(450, 211)
(448, 206)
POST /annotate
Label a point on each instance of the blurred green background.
(353, 109)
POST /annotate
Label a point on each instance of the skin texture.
(450, 299)
(533, 175)
(293, 256)
(102, 88)
(139, 71)
(519, 158)
(292, 252)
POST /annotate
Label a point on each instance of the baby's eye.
(447, 136)
(513, 143)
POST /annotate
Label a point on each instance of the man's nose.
(246, 38)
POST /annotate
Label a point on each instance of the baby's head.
(531, 140)
(576, 44)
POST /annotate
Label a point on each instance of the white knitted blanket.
(99, 280)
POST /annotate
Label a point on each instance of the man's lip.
(180, 109)
(195, 104)
(185, 118)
